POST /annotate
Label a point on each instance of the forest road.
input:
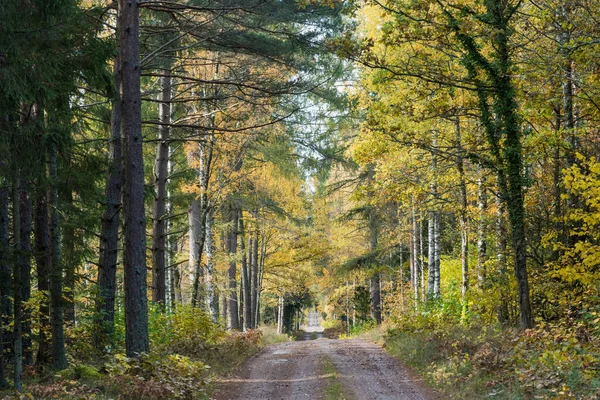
(304, 370)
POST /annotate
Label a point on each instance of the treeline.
(476, 159)
(149, 136)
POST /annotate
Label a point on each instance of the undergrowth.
(187, 351)
(472, 361)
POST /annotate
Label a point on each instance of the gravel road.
(294, 370)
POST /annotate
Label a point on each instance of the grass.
(270, 335)
(334, 390)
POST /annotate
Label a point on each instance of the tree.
(134, 233)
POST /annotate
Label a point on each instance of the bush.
(155, 376)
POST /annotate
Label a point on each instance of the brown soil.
(293, 371)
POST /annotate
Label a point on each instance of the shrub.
(158, 377)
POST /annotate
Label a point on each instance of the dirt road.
(311, 369)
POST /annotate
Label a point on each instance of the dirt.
(294, 370)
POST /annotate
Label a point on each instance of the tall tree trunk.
(134, 254)
(501, 245)
(431, 253)
(109, 235)
(557, 184)
(464, 218)
(211, 300)
(59, 357)
(224, 306)
(416, 261)
(481, 230)
(69, 261)
(5, 292)
(375, 281)
(195, 240)
(25, 262)
(254, 279)
(437, 255)
(171, 241)
(43, 262)
(421, 259)
(247, 306)
(18, 303)
(280, 311)
(160, 185)
(234, 322)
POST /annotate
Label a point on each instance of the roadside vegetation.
(463, 356)
(189, 352)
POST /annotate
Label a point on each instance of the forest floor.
(323, 369)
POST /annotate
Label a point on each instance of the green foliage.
(80, 372)
(362, 303)
(185, 330)
(156, 376)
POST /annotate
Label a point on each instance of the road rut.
(294, 370)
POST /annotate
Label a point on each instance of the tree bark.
(416, 261)
(43, 262)
(17, 291)
(247, 306)
(25, 262)
(196, 239)
(375, 281)
(59, 357)
(211, 300)
(234, 322)
(109, 235)
(501, 245)
(431, 253)
(464, 218)
(69, 262)
(5, 292)
(254, 280)
(134, 254)
(160, 185)
(280, 310)
(481, 230)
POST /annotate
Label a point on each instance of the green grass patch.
(334, 390)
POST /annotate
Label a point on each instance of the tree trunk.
(171, 242)
(234, 322)
(69, 262)
(431, 253)
(109, 235)
(247, 306)
(43, 262)
(25, 262)
(501, 245)
(437, 255)
(558, 185)
(260, 274)
(161, 163)
(134, 254)
(464, 218)
(375, 281)
(59, 357)
(280, 314)
(209, 278)
(481, 231)
(18, 304)
(416, 266)
(254, 280)
(5, 292)
(196, 239)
